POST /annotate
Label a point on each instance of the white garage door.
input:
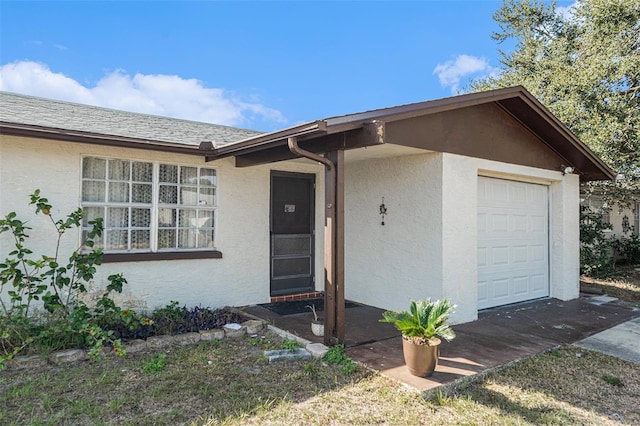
(513, 242)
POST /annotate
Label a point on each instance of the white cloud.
(165, 95)
(567, 12)
(451, 72)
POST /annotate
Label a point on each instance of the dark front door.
(292, 210)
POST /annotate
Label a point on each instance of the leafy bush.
(627, 249)
(596, 257)
(169, 319)
(53, 284)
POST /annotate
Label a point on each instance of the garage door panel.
(513, 261)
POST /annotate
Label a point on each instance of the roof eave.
(33, 131)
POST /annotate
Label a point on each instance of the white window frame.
(155, 207)
(596, 205)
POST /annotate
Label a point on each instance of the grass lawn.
(230, 382)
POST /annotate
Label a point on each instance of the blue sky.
(260, 65)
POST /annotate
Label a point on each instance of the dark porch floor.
(499, 336)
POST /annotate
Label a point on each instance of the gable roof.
(36, 117)
(516, 101)
(28, 112)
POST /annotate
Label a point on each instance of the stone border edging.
(250, 327)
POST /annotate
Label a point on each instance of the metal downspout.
(330, 216)
(294, 148)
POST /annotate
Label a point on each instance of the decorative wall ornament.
(626, 227)
(383, 211)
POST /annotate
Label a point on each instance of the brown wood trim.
(164, 255)
(369, 134)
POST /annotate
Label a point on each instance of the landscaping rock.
(253, 326)
(298, 354)
(209, 335)
(69, 355)
(135, 346)
(28, 361)
(159, 342)
(317, 350)
(186, 339)
(234, 330)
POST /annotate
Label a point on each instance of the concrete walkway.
(622, 341)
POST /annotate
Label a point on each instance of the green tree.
(583, 65)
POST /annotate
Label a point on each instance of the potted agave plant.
(422, 327)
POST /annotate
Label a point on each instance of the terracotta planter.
(421, 359)
(317, 328)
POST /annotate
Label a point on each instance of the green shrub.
(50, 283)
(627, 249)
(596, 257)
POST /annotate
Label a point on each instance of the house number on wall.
(289, 208)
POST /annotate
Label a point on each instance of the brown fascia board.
(554, 123)
(269, 140)
(428, 107)
(33, 131)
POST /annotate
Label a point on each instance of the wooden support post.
(334, 250)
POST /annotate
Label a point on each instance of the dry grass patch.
(625, 286)
(565, 387)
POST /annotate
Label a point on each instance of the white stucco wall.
(242, 230)
(387, 266)
(428, 247)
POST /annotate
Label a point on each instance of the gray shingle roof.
(22, 109)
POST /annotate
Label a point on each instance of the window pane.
(205, 219)
(117, 217)
(168, 174)
(140, 239)
(187, 218)
(207, 177)
(141, 193)
(117, 240)
(92, 213)
(140, 218)
(142, 172)
(207, 197)
(119, 170)
(188, 195)
(189, 175)
(166, 238)
(118, 192)
(187, 238)
(168, 194)
(205, 238)
(97, 242)
(94, 168)
(167, 218)
(92, 191)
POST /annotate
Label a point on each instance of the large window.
(149, 207)
(597, 205)
(636, 219)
